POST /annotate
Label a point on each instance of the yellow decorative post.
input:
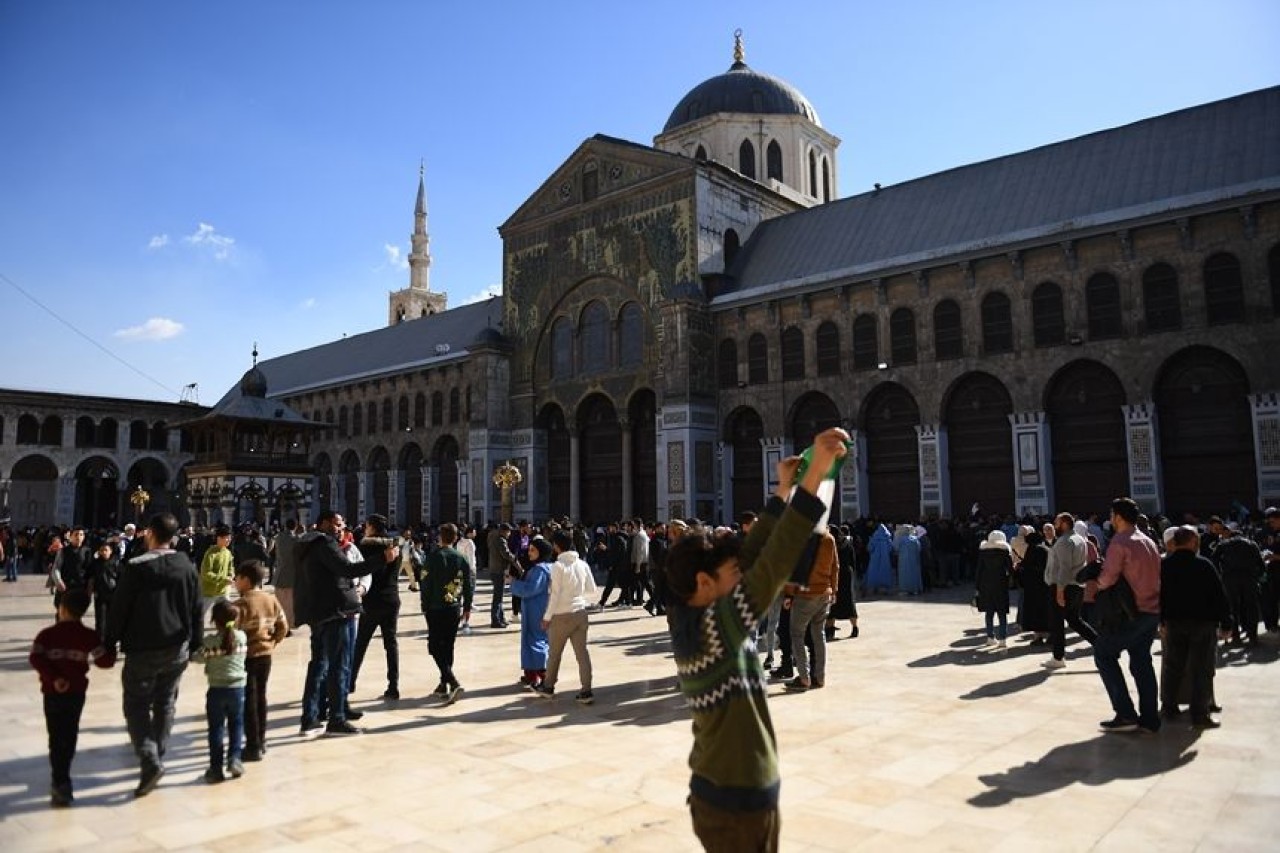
(506, 477)
(139, 497)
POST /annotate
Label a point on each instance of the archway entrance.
(979, 446)
(600, 466)
(812, 414)
(153, 477)
(97, 493)
(411, 470)
(324, 487)
(446, 457)
(642, 413)
(33, 491)
(349, 471)
(380, 476)
(558, 462)
(744, 431)
(1086, 429)
(1206, 433)
(893, 458)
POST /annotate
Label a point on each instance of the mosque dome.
(489, 337)
(740, 90)
(253, 383)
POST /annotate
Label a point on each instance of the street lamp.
(506, 477)
(140, 497)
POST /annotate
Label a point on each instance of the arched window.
(402, 414)
(631, 335)
(757, 360)
(357, 419)
(773, 160)
(455, 405)
(561, 349)
(28, 430)
(826, 179)
(1223, 289)
(51, 431)
(866, 348)
(437, 408)
(948, 333)
(727, 363)
(813, 173)
(1048, 323)
(342, 421)
(329, 419)
(700, 154)
(902, 336)
(827, 341)
(1102, 303)
(595, 346)
(386, 416)
(372, 412)
(1273, 273)
(138, 435)
(1160, 301)
(84, 431)
(107, 435)
(747, 158)
(997, 324)
(792, 353)
(730, 247)
(420, 409)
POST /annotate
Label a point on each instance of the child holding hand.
(224, 654)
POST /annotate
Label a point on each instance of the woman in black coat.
(995, 567)
(1036, 611)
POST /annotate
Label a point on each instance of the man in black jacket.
(1242, 569)
(1193, 613)
(381, 603)
(155, 617)
(326, 598)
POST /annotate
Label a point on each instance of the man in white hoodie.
(572, 591)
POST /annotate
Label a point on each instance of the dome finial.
(255, 353)
(738, 53)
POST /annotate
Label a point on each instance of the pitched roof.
(1221, 150)
(413, 344)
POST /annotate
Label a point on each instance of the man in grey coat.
(284, 549)
(1067, 557)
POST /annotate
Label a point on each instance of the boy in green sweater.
(217, 567)
(721, 588)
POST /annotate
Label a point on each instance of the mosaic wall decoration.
(675, 467)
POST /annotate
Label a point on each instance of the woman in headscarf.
(907, 546)
(995, 566)
(534, 588)
(1035, 611)
(880, 572)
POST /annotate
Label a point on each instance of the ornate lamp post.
(506, 477)
(139, 497)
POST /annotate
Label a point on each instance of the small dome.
(253, 383)
(740, 90)
(489, 337)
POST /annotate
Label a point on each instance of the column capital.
(1027, 419)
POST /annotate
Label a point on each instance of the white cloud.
(155, 329)
(394, 258)
(207, 236)
(488, 293)
(307, 304)
(159, 241)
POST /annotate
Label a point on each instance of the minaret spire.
(420, 251)
(739, 54)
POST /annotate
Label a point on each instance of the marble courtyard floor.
(918, 742)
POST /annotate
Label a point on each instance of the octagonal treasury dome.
(741, 90)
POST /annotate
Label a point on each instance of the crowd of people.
(775, 585)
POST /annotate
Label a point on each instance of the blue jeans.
(224, 707)
(328, 672)
(150, 685)
(11, 569)
(1004, 624)
(1134, 638)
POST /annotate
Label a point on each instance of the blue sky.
(181, 179)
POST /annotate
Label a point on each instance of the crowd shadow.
(1102, 759)
(1233, 656)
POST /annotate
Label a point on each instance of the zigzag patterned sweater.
(735, 754)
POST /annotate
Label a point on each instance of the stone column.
(935, 498)
(773, 449)
(724, 480)
(362, 494)
(464, 490)
(64, 499)
(396, 504)
(1032, 466)
(1146, 484)
(336, 496)
(1266, 445)
(575, 474)
(628, 504)
(853, 478)
(428, 496)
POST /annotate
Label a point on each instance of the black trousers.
(443, 627)
(1190, 648)
(1271, 598)
(1242, 592)
(384, 621)
(62, 719)
(1070, 614)
(257, 671)
(616, 578)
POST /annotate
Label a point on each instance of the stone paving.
(920, 741)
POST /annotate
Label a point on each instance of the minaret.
(417, 300)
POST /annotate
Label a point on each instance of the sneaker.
(544, 692)
(1170, 712)
(341, 728)
(1001, 644)
(214, 775)
(235, 769)
(782, 673)
(854, 632)
(465, 630)
(796, 685)
(768, 662)
(1118, 724)
(1205, 723)
(252, 755)
(585, 697)
(1054, 663)
(442, 689)
(353, 714)
(453, 694)
(151, 775)
(391, 694)
(817, 684)
(413, 587)
(310, 727)
(60, 796)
